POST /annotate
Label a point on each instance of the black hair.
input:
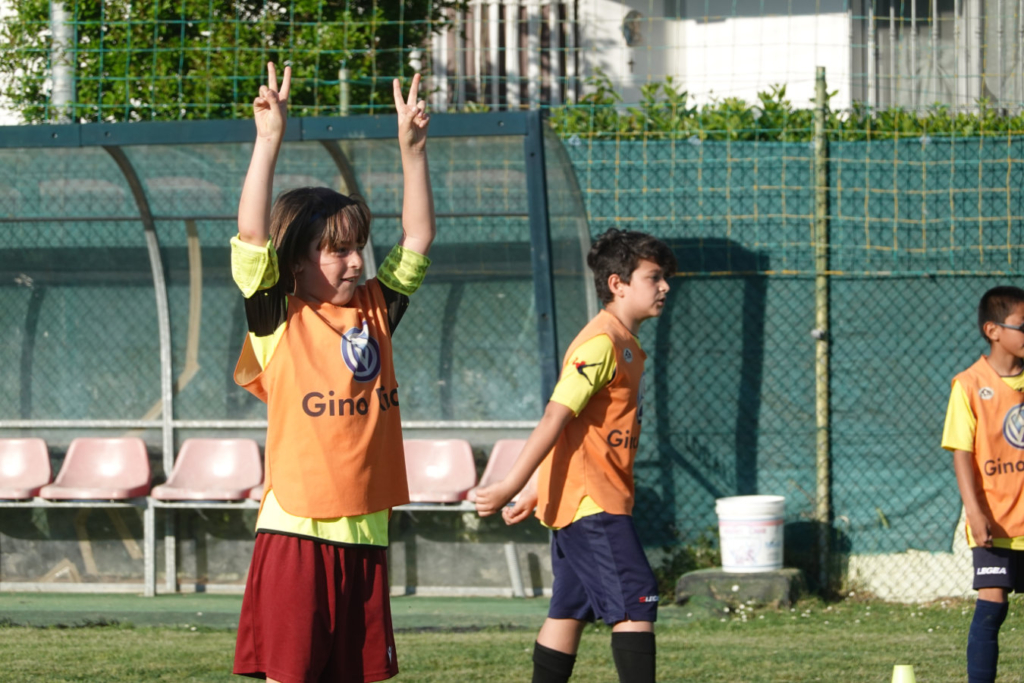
(996, 305)
(619, 252)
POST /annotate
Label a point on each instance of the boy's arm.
(492, 499)
(418, 225)
(963, 463)
(590, 368)
(270, 112)
(525, 503)
(958, 435)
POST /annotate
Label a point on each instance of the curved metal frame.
(328, 131)
(162, 308)
(166, 371)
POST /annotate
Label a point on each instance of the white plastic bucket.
(750, 531)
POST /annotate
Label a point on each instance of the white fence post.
(913, 56)
(1020, 54)
(512, 54)
(975, 47)
(936, 89)
(493, 52)
(533, 52)
(554, 52)
(478, 53)
(439, 71)
(460, 59)
(570, 51)
(872, 57)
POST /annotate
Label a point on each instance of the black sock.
(551, 666)
(983, 641)
(634, 656)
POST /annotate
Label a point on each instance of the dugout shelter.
(121, 317)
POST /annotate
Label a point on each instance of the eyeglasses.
(1019, 328)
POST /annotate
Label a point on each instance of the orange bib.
(998, 447)
(334, 434)
(594, 454)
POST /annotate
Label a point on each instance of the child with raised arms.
(585, 445)
(318, 352)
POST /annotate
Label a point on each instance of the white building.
(743, 49)
(879, 52)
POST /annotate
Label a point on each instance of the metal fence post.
(166, 370)
(821, 307)
(872, 58)
(62, 64)
(540, 252)
(344, 104)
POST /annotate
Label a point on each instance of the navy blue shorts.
(601, 572)
(999, 568)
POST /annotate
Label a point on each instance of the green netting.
(919, 230)
(81, 296)
(119, 60)
(78, 303)
(574, 293)
(929, 205)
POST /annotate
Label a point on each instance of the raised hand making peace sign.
(412, 117)
(270, 109)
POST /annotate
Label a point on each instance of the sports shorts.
(316, 612)
(999, 568)
(601, 572)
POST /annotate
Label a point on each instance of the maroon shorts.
(316, 612)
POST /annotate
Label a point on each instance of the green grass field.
(58, 638)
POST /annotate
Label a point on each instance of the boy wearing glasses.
(985, 431)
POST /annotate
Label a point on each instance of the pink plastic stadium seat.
(256, 492)
(213, 469)
(24, 468)
(439, 471)
(102, 469)
(499, 463)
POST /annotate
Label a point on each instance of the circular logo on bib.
(1013, 426)
(361, 353)
(986, 393)
(628, 355)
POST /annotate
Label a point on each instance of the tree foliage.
(192, 59)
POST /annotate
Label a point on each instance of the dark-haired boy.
(985, 431)
(585, 445)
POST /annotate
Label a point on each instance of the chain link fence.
(919, 229)
(80, 300)
(146, 60)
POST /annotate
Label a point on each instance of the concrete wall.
(916, 575)
(97, 549)
(430, 554)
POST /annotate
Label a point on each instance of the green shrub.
(665, 112)
(678, 559)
